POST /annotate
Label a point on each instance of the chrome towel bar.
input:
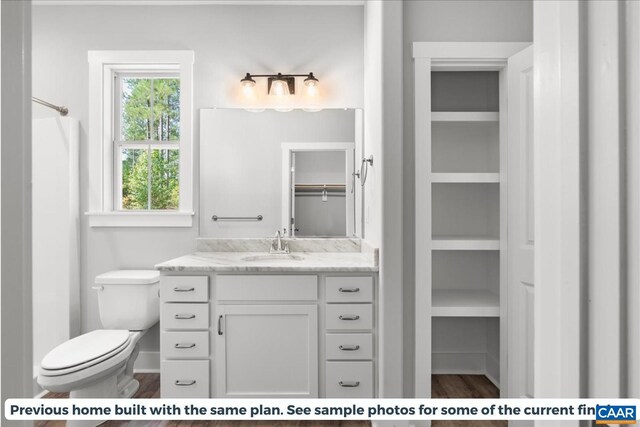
(237, 218)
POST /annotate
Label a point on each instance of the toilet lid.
(85, 348)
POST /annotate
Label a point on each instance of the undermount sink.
(273, 257)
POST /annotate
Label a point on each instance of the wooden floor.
(464, 387)
(443, 386)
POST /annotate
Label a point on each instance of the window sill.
(140, 219)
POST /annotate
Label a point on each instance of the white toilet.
(99, 364)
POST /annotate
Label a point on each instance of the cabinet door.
(267, 351)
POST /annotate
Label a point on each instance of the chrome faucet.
(279, 246)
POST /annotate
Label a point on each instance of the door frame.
(288, 148)
(449, 56)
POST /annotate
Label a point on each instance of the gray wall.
(15, 116)
(228, 41)
(488, 21)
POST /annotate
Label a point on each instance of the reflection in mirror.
(318, 197)
(245, 172)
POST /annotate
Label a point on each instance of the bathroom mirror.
(292, 171)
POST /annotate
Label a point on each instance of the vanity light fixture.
(281, 84)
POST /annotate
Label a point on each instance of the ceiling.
(198, 2)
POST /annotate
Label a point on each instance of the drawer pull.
(185, 383)
(185, 345)
(179, 289)
(349, 383)
(349, 347)
(348, 317)
(185, 316)
(348, 290)
(220, 325)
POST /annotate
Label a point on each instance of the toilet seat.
(115, 351)
(84, 351)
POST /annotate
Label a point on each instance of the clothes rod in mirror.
(237, 218)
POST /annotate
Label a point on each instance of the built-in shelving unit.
(461, 137)
(465, 183)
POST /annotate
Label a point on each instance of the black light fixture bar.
(310, 80)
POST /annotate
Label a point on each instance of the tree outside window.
(148, 153)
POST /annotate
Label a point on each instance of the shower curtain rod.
(60, 109)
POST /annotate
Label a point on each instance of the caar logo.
(615, 414)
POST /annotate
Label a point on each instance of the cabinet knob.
(185, 345)
(348, 317)
(349, 383)
(348, 290)
(185, 316)
(183, 289)
(349, 347)
(185, 383)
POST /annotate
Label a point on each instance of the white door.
(520, 228)
(267, 351)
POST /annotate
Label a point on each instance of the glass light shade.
(279, 87)
(247, 81)
(312, 90)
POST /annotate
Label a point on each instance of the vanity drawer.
(185, 345)
(350, 289)
(349, 316)
(184, 289)
(266, 288)
(349, 346)
(349, 380)
(184, 316)
(185, 379)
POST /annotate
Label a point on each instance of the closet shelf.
(461, 243)
(464, 116)
(466, 177)
(464, 303)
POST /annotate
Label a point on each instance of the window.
(141, 138)
(147, 148)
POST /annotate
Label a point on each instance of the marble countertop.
(265, 262)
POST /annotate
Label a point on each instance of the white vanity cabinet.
(349, 325)
(266, 336)
(184, 337)
(267, 351)
(269, 335)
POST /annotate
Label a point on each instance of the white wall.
(228, 41)
(383, 201)
(437, 20)
(56, 230)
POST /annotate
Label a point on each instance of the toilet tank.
(128, 299)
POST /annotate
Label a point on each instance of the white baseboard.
(493, 370)
(148, 362)
(459, 363)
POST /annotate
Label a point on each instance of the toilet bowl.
(99, 364)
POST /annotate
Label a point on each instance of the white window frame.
(103, 208)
